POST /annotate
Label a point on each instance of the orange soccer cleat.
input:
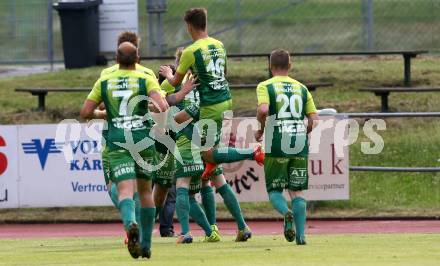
(259, 155)
(209, 169)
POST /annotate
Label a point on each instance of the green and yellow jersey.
(289, 102)
(139, 67)
(116, 90)
(206, 58)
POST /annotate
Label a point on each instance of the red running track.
(226, 228)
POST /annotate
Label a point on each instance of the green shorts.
(165, 175)
(286, 173)
(192, 165)
(215, 112)
(123, 166)
(106, 166)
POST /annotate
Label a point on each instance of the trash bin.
(80, 32)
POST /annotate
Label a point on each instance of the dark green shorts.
(165, 175)
(286, 173)
(123, 166)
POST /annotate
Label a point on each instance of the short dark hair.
(162, 78)
(280, 59)
(126, 57)
(129, 36)
(197, 17)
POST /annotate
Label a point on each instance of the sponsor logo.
(77, 187)
(3, 158)
(36, 146)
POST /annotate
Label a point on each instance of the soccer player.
(191, 168)
(116, 90)
(206, 58)
(283, 103)
(131, 37)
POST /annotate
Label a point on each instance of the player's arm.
(182, 117)
(186, 61)
(262, 110)
(157, 99)
(187, 87)
(311, 113)
(89, 109)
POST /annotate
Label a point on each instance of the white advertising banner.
(8, 167)
(116, 16)
(49, 178)
(43, 167)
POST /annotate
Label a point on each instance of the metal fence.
(245, 26)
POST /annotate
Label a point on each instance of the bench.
(384, 92)
(407, 56)
(42, 92)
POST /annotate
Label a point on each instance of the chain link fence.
(30, 29)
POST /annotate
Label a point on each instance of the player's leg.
(147, 213)
(298, 182)
(183, 208)
(148, 209)
(163, 180)
(233, 206)
(127, 209)
(209, 204)
(123, 174)
(276, 171)
(198, 214)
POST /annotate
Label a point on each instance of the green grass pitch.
(358, 249)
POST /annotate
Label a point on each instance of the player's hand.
(259, 135)
(189, 85)
(166, 71)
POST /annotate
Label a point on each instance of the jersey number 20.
(293, 103)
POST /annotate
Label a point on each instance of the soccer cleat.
(184, 239)
(214, 237)
(289, 231)
(146, 253)
(300, 240)
(214, 228)
(134, 244)
(209, 168)
(243, 235)
(259, 155)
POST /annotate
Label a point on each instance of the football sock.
(182, 208)
(114, 195)
(147, 224)
(278, 202)
(208, 202)
(299, 212)
(230, 155)
(137, 210)
(232, 204)
(196, 212)
(126, 208)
